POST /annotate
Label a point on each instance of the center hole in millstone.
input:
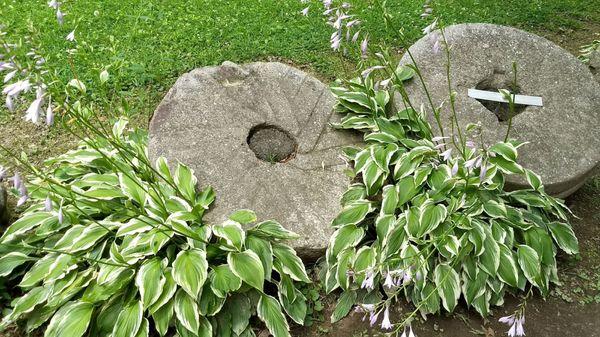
(271, 143)
(500, 109)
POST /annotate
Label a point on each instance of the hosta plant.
(427, 217)
(112, 246)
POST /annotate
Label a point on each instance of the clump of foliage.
(113, 246)
(421, 224)
(587, 50)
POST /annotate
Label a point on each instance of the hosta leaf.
(495, 209)
(241, 311)
(295, 308)
(353, 213)
(243, 216)
(150, 281)
(186, 311)
(133, 188)
(272, 229)
(12, 260)
(186, 181)
(390, 199)
(168, 290)
(231, 232)
(406, 190)
(506, 150)
(448, 285)
(490, 258)
(291, 263)
(529, 262)
(190, 271)
(263, 249)
(247, 266)
(343, 306)
(144, 329)
(533, 179)
(224, 281)
(40, 270)
(71, 320)
(431, 217)
(269, 311)
(162, 166)
(129, 321)
(162, 317)
(344, 237)
(205, 329)
(24, 224)
(565, 237)
(507, 270)
(210, 304)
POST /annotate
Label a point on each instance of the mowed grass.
(155, 41)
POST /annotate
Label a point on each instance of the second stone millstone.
(259, 134)
(563, 135)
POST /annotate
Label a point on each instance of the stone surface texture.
(3, 206)
(563, 135)
(204, 121)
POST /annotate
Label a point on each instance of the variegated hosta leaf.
(70, 320)
(190, 271)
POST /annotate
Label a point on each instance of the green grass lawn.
(158, 40)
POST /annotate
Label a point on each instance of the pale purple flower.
(60, 17)
(509, 320)
(17, 180)
(49, 115)
(367, 71)
(355, 37)
(34, 111)
(2, 173)
(335, 40)
(16, 88)
(53, 4)
(373, 318)
(305, 11)
(385, 323)
(520, 331)
(352, 23)
(483, 172)
(346, 5)
(438, 138)
(471, 162)
(407, 277)
(385, 83)
(364, 45)
(60, 215)
(410, 332)
(327, 3)
(478, 162)
(440, 145)
(436, 47)
(470, 144)
(389, 282)
(364, 308)
(368, 281)
(71, 36)
(48, 204)
(9, 103)
(446, 154)
(10, 76)
(22, 200)
(454, 169)
(430, 28)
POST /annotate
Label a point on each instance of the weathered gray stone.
(563, 135)
(211, 114)
(3, 206)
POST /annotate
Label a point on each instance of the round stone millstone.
(563, 135)
(258, 134)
